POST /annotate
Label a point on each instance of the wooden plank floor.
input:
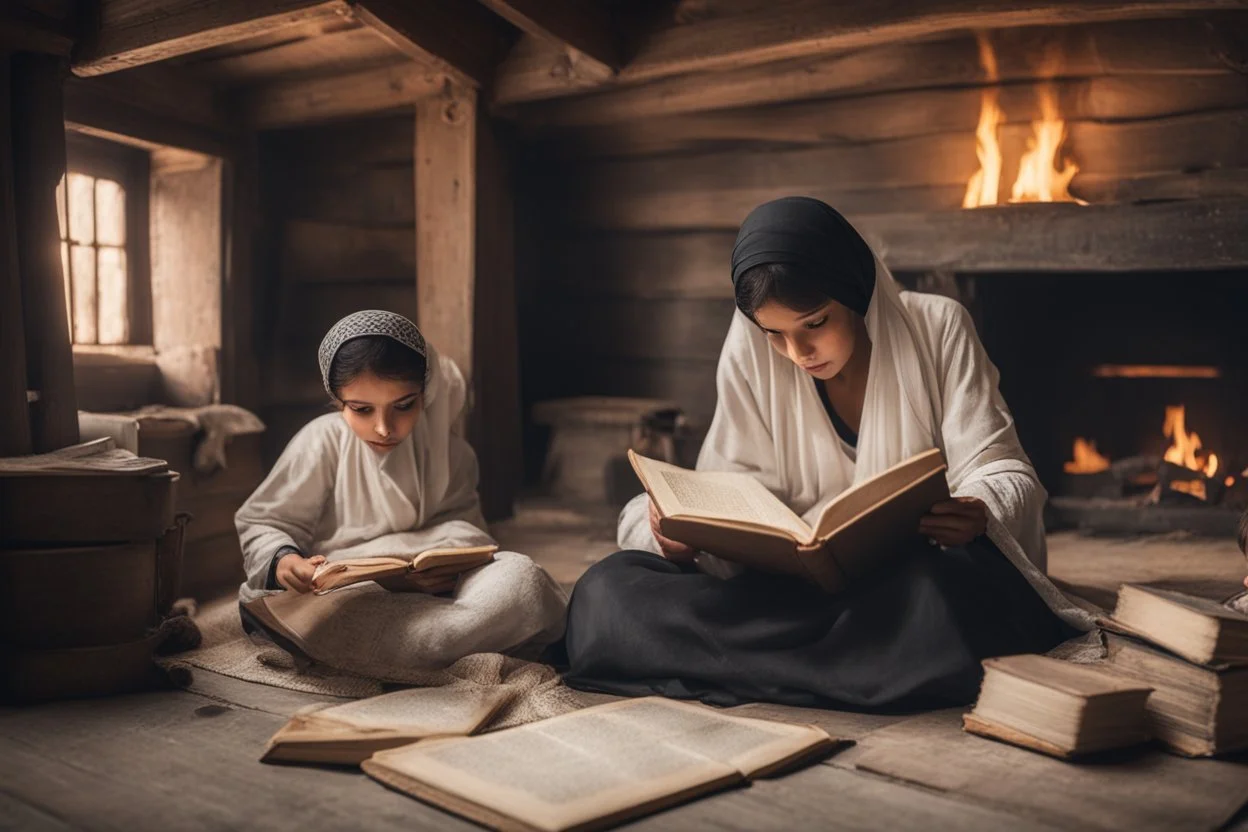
(188, 759)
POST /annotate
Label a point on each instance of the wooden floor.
(187, 759)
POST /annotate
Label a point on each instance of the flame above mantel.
(1039, 177)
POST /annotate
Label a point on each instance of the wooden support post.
(14, 412)
(39, 142)
(240, 381)
(465, 276)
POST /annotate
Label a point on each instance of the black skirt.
(910, 637)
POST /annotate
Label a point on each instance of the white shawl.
(330, 494)
(930, 384)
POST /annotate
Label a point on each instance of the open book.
(596, 767)
(350, 733)
(437, 562)
(1057, 707)
(732, 515)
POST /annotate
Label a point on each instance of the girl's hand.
(295, 571)
(672, 550)
(955, 522)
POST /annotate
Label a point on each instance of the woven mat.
(537, 691)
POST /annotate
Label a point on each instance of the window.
(101, 205)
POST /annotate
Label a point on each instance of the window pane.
(114, 308)
(110, 213)
(81, 208)
(69, 295)
(61, 217)
(82, 259)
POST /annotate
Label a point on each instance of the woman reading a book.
(829, 375)
(387, 475)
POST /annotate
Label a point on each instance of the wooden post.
(240, 382)
(445, 154)
(39, 150)
(14, 412)
(465, 276)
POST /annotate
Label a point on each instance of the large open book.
(437, 562)
(596, 767)
(732, 515)
(350, 733)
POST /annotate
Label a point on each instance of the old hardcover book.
(1057, 707)
(596, 767)
(1198, 629)
(1195, 710)
(350, 733)
(733, 516)
(437, 562)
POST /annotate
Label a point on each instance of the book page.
(425, 711)
(717, 495)
(597, 762)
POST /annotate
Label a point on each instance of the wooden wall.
(633, 196)
(337, 208)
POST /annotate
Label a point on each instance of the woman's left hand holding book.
(295, 572)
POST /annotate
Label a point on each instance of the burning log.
(1180, 484)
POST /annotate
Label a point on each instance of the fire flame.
(1039, 179)
(1087, 460)
(1185, 450)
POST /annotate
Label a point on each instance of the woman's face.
(381, 411)
(821, 341)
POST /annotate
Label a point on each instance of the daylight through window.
(92, 214)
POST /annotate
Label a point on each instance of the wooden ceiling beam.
(572, 24)
(458, 37)
(135, 32)
(731, 34)
(356, 94)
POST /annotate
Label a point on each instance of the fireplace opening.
(1129, 392)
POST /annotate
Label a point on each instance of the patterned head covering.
(368, 322)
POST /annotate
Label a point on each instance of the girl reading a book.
(829, 375)
(388, 475)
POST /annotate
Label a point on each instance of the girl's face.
(821, 341)
(381, 411)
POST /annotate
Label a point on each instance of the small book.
(350, 733)
(1194, 710)
(439, 562)
(733, 516)
(1058, 708)
(1198, 629)
(595, 768)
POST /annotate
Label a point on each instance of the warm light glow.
(1185, 450)
(985, 185)
(1229, 481)
(1039, 180)
(1154, 371)
(1087, 460)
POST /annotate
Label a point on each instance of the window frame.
(131, 168)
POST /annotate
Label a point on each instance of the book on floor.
(733, 516)
(350, 733)
(435, 562)
(1198, 629)
(1057, 707)
(1195, 710)
(594, 768)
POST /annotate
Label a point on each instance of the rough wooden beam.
(134, 32)
(1186, 236)
(311, 100)
(574, 24)
(445, 150)
(14, 409)
(457, 36)
(734, 35)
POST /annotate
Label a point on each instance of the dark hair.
(1243, 533)
(784, 283)
(377, 354)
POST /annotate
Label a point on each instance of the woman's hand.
(432, 581)
(673, 551)
(295, 571)
(955, 522)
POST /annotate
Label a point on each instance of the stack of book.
(1193, 652)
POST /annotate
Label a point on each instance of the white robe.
(330, 494)
(930, 384)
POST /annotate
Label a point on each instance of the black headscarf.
(812, 235)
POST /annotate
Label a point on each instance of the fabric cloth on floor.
(536, 690)
(911, 636)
